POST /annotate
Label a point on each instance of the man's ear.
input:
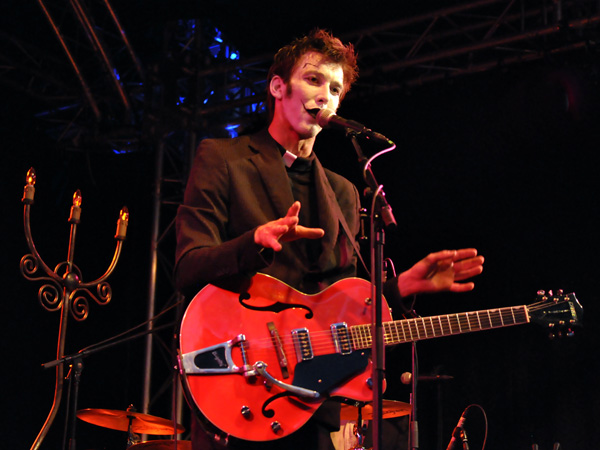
(277, 87)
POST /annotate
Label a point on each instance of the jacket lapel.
(269, 164)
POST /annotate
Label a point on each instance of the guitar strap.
(346, 228)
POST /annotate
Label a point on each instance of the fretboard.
(409, 330)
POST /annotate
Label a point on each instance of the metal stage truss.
(102, 87)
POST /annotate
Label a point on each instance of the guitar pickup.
(216, 359)
(341, 338)
(301, 338)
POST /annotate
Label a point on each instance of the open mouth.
(313, 112)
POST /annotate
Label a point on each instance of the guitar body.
(269, 324)
(258, 364)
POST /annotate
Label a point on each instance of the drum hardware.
(391, 408)
(162, 445)
(360, 412)
(130, 421)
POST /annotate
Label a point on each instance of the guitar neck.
(420, 328)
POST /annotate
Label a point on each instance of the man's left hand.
(442, 271)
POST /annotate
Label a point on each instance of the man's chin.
(310, 133)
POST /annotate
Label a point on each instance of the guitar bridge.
(217, 359)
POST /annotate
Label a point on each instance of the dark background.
(504, 161)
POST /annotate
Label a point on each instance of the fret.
(465, 321)
(366, 332)
(471, 318)
(407, 323)
(388, 335)
(420, 324)
(404, 339)
(431, 327)
(454, 323)
(397, 332)
(512, 316)
(355, 343)
(479, 321)
(409, 330)
(447, 326)
(493, 313)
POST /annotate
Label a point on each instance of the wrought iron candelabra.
(63, 289)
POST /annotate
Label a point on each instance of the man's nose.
(324, 96)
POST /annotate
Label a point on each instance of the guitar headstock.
(558, 312)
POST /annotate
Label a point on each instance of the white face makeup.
(315, 83)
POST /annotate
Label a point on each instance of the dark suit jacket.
(235, 186)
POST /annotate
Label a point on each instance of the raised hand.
(271, 234)
(442, 271)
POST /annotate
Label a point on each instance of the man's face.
(315, 83)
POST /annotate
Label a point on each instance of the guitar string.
(360, 337)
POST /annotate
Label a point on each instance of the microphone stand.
(414, 425)
(77, 367)
(381, 217)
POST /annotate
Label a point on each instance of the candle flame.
(30, 178)
(77, 198)
(124, 214)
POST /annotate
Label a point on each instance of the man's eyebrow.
(309, 64)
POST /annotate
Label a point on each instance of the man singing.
(264, 203)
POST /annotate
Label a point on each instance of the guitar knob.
(246, 412)
(276, 427)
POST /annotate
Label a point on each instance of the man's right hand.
(286, 229)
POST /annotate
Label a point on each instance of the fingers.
(441, 255)
(462, 287)
(464, 253)
(268, 235)
(468, 268)
(294, 210)
(271, 234)
(309, 233)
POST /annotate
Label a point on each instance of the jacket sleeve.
(205, 252)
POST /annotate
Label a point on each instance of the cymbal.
(162, 445)
(119, 420)
(390, 408)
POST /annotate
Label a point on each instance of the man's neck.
(292, 142)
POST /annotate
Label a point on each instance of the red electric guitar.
(258, 364)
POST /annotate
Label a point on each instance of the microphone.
(326, 118)
(459, 434)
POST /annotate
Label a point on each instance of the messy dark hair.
(320, 41)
